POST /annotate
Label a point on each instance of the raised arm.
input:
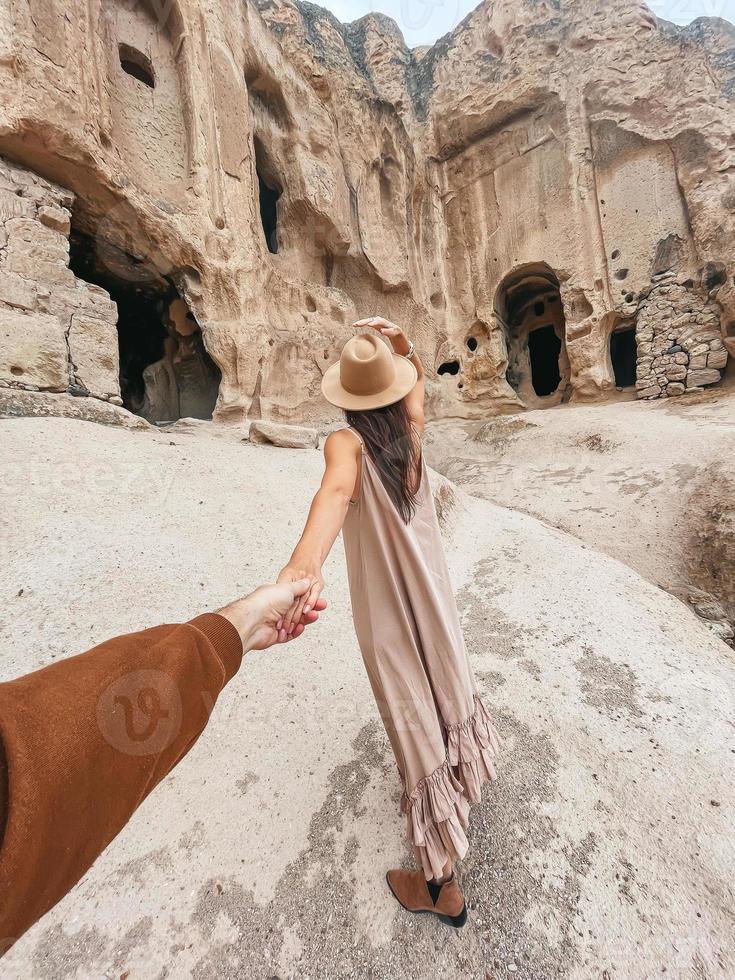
(414, 400)
(326, 517)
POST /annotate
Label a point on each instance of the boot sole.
(455, 921)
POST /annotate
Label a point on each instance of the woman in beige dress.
(375, 489)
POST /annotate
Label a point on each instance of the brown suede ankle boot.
(416, 894)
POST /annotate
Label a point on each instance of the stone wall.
(409, 183)
(57, 333)
(680, 345)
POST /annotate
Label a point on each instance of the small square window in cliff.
(135, 63)
(623, 355)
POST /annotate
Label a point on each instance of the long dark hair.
(393, 444)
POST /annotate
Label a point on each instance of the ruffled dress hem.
(437, 809)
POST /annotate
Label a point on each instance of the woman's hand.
(259, 616)
(401, 345)
(304, 604)
(386, 329)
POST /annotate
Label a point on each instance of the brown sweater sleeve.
(84, 741)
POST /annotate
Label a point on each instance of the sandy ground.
(649, 483)
(604, 849)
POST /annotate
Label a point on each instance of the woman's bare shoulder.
(341, 444)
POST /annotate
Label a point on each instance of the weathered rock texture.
(522, 196)
(55, 330)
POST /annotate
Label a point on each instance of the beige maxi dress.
(408, 628)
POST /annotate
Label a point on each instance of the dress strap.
(356, 433)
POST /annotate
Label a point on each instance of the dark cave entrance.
(269, 192)
(528, 305)
(135, 63)
(544, 348)
(448, 367)
(165, 370)
(624, 356)
(269, 214)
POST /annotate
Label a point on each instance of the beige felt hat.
(368, 375)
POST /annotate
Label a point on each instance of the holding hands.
(306, 602)
(259, 617)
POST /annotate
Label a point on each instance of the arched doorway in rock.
(528, 305)
(165, 370)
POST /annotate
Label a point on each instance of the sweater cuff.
(224, 638)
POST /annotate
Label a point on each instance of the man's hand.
(258, 618)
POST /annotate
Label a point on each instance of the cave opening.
(269, 214)
(137, 65)
(166, 372)
(448, 367)
(529, 308)
(269, 191)
(624, 356)
(544, 348)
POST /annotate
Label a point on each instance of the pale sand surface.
(606, 844)
(649, 483)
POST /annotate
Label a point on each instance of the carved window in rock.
(448, 367)
(268, 201)
(147, 97)
(136, 64)
(269, 191)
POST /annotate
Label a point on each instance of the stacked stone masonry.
(539, 181)
(680, 346)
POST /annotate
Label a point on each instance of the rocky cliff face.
(544, 199)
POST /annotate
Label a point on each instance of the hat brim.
(406, 377)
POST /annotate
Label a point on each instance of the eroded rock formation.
(544, 198)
